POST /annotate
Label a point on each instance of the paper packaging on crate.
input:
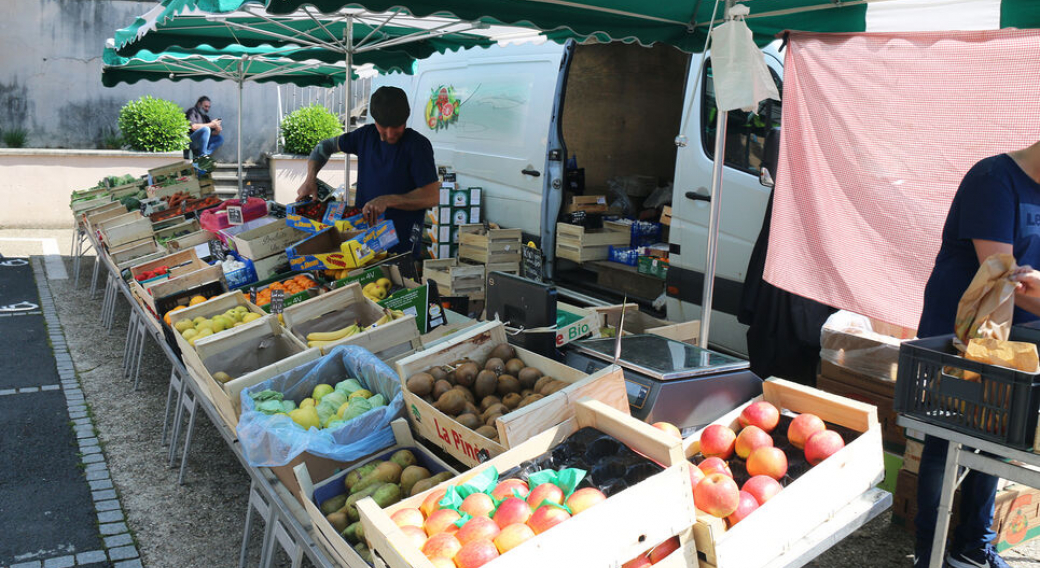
(216, 218)
(465, 445)
(598, 537)
(808, 501)
(862, 344)
(574, 323)
(276, 441)
(334, 249)
(345, 306)
(315, 494)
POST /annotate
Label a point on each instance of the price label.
(531, 261)
(277, 301)
(252, 295)
(217, 251)
(234, 215)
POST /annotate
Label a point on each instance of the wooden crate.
(209, 357)
(658, 508)
(489, 246)
(587, 324)
(666, 215)
(190, 225)
(189, 241)
(267, 240)
(807, 502)
(868, 389)
(175, 169)
(506, 267)
(637, 322)
(313, 481)
(130, 254)
(85, 206)
(579, 244)
(587, 203)
(336, 309)
(121, 191)
(454, 278)
(191, 186)
(96, 215)
(186, 271)
(465, 445)
(110, 222)
(125, 229)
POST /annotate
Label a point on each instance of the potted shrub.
(154, 125)
(302, 129)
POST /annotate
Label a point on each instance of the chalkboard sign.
(234, 214)
(277, 301)
(252, 295)
(531, 261)
(217, 250)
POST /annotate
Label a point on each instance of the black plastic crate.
(1001, 406)
(167, 303)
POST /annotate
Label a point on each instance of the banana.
(333, 335)
(380, 321)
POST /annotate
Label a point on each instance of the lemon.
(222, 377)
(384, 283)
(250, 317)
(361, 392)
(189, 333)
(320, 391)
(183, 325)
(306, 402)
(196, 300)
(307, 418)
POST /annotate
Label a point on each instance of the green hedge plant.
(303, 128)
(154, 125)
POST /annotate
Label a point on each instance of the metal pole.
(713, 219)
(239, 134)
(278, 125)
(347, 102)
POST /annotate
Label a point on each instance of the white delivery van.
(620, 110)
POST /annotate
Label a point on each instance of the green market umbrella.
(232, 63)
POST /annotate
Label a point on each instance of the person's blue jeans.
(978, 492)
(204, 142)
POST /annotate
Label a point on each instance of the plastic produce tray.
(1001, 406)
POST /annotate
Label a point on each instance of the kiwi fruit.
(451, 403)
(494, 409)
(422, 485)
(507, 384)
(512, 400)
(438, 373)
(466, 373)
(488, 432)
(529, 399)
(450, 377)
(485, 385)
(466, 393)
(514, 366)
(539, 385)
(491, 419)
(528, 377)
(503, 351)
(488, 401)
(429, 399)
(439, 388)
(471, 421)
(472, 408)
(553, 387)
(420, 384)
(411, 475)
(526, 392)
(495, 364)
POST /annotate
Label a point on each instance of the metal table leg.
(172, 397)
(291, 547)
(942, 515)
(142, 332)
(106, 299)
(178, 415)
(131, 337)
(94, 277)
(77, 253)
(191, 407)
(263, 508)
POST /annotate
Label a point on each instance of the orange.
(166, 318)
(196, 300)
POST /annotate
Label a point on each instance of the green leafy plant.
(16, 137)
(303, 128)
(111, 139)
(153, 125)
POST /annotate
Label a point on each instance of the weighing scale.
(671, 381)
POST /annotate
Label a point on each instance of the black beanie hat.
(389, 106)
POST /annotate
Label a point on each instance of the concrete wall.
(50, 79)
(35, 185)
(288, 172)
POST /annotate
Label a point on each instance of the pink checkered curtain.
(878, 130)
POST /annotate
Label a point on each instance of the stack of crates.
(456, 207)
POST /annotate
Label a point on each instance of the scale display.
(662, 358)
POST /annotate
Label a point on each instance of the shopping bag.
(988, 305)
(739, 71)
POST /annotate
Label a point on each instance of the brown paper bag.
(1018, 355)
(988, 305)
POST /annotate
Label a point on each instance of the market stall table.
(995, 461)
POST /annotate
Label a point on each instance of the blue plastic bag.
(274, 440)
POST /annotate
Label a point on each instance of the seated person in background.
(205, 133)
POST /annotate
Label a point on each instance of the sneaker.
(980, 558)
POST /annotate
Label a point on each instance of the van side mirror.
(765, 178)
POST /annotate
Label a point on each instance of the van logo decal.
(443, 108)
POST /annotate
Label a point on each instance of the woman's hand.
(1027, 281)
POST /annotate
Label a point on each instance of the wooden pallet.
(456, 279)
(656, 509)
(808, 501)
(606, 385)
(489, 246)
(580, 245)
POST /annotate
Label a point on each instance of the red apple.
(762, 488)
(747, 505)
(441, 545)
(432, 502)
(715, 465)
(750, 439)
(661, 551)
(408, 518)
(442, 520)
(512, 536)
(478, 505)
(638, 562)
(761, 414)
(546, 518)
(767, 461)
(584, 498)
(822, 445)
(512, 510)
(415, 534)
(477, 528)
(717, 495)
(506, 488)
(476, 553)
(696, 475)
(668, 428)
(717, 441)
(441, 562)
(803, 427)
(543, 492)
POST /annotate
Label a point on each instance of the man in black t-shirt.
(205, 133)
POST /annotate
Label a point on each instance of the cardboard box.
(656, 267)
(574, 323)
(334, 249)
(521, 424)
